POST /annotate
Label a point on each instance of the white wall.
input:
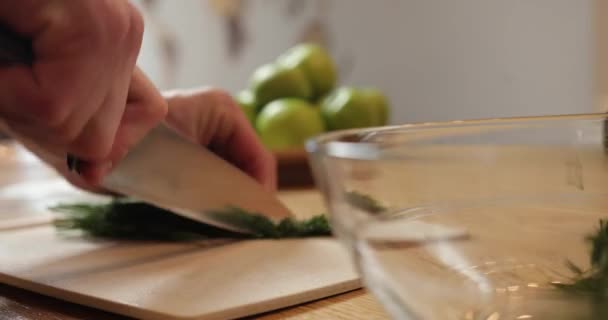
(436, 59)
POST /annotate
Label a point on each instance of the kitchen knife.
(176, 174)
(171, 172)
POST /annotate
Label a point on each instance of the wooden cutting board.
(223, 279)
(26, 203)
(207, 280)
(28, 187)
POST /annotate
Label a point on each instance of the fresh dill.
(126, 219)
(132, 220)
(594, 280)
(364, 202)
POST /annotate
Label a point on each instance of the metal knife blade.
(173, 173)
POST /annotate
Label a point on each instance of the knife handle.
(14, 49)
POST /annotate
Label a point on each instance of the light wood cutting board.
(209, 280)
(26, 203)
(223, 279)
(28, 187)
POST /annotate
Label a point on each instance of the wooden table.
(24, 305)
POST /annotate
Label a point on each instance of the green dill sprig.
(126, 219)
(595, 279)
(364, 202)
(262, 227)
(132, 220)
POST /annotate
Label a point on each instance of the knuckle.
(208, 95)
(224, 99)
(51, 109)
(158, 109)
(150, 113)
(136, 24)
(118, 13)
(221, 94)
(124, 24)
(55, 114)
(51, 115)
(94, 141)
(211, 91)
(65, 133)
(90, 148)
(99, 149)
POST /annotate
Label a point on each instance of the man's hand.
(83, 94)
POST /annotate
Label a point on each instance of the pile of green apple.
(297, 97)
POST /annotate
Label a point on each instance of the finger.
(128, 84)
(237, 141)
(244, 147)
(211, 118)
(145, 109)
(260, 164)
(65, 88)
(96, 138)
(64, 74)
(92, 123)
(246, 151)
(21, 97)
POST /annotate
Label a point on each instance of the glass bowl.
(485, 219)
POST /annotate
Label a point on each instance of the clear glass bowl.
(471, 219)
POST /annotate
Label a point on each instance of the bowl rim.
(317, 145)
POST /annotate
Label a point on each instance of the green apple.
(379, 102)
(348, 108)
(247, 102)
(288, 123)
(274, 81)
(316, 63)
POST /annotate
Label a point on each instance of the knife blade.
(171, 172)
(176, 174)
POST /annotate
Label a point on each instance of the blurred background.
(434, 59)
